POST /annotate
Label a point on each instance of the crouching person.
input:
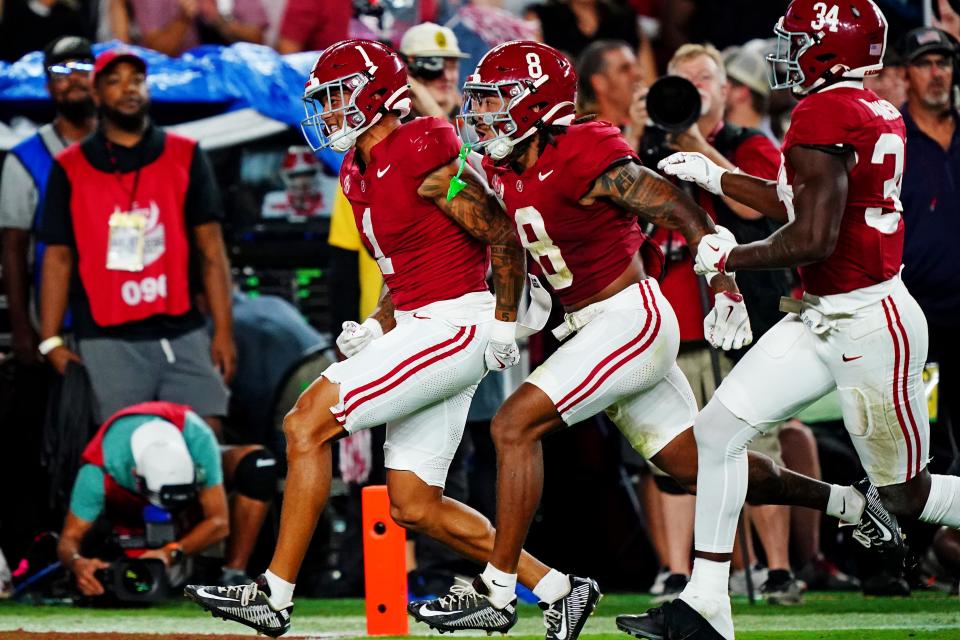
(150, 496)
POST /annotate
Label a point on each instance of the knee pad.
(717, 429)
(256, 475)
(670, 486)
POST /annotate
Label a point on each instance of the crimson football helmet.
(820, 41)
(360, 80)
(517, 88)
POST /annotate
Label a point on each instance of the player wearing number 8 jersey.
(416, 362)
(857, 329)
(575, 191)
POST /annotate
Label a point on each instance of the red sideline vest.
(162, 286)
(123, 507)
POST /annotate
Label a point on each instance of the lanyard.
(119, 174)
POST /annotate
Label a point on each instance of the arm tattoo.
(384, 311)
(477, 210)
(653, 198)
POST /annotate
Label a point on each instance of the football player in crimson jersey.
(575, 191)
(856, 329)
(415, 363)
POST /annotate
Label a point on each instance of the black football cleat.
(878, 529)
(672, 621)
(564, 619)
(248, 604)
(465, 606)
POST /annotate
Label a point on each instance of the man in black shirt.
(127, 210)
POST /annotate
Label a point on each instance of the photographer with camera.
(433, 56)
(154, 472)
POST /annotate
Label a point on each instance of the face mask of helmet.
(489, 104)
(784, 64)
(319, 105)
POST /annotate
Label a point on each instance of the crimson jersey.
(424, 255)
(870, 244)
(581, 249)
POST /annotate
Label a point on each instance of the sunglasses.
(67, 68)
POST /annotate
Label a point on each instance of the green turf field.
(842, 617)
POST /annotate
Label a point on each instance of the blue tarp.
(239, 76)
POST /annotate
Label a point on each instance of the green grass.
(924, 616)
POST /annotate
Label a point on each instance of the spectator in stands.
(309, 25)
(931, 203)
(26, 25)
(571, 25)
(124, 212)
(890, 84)
(162, 456)
(748, 96)
(68, 62)
(433, 59)
(480, 26)
(609, 83)
(174, 26)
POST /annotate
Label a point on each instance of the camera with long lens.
(135, 580)
(673, 105)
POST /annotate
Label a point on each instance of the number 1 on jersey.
(385, 263)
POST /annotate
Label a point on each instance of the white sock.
(845, 503)
(281, 591)
(552, 587)
(943, 503)
(502, 586)
(707, 594)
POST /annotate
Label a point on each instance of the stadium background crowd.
(292, 290)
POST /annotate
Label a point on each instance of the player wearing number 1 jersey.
(575, 191)
(857, 329)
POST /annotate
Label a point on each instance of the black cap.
(926, 40)
(67, 48)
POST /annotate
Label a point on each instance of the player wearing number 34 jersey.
(857, 330)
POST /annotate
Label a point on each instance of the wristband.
(49, 345)
(175, 551)
(503, 332)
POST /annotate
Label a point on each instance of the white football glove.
(694, 167)
(712, 253)
(502, 351)
(355, 337)
(727, 325)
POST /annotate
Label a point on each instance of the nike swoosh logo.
(843, 506)
(544, 176)
(886, 537)
(713, 247)
(502, 366)
(850, 359)
(205, 594)
(420, 317)
(427, 613)
(383, 172)
(562, 632)
(729, 313)
(495, 583)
